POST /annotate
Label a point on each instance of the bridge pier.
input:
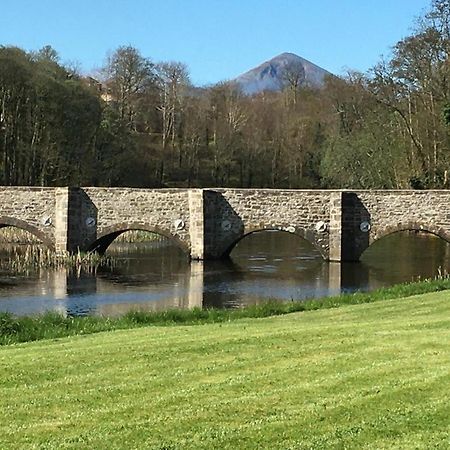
(197, 224)
(347, 241)
(61, 220)
(335, 227)
(75, 220)
(208, 223)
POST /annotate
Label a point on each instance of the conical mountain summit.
(275, 74)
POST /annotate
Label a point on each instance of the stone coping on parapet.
(340, 223)
(224, 189)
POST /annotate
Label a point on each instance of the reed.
(36, 257)
(13, 235)
(136, 236)
(24, 253)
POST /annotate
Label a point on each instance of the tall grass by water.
(23, 252)
(19, 259)
(138, 236)
(53, 325)
(14, 235)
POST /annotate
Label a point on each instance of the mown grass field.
(360, 376)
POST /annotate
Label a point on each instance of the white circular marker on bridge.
(46, 221)
(364, 226)
(226, 225)
(321, 226)
(179, 224)
(90, 222)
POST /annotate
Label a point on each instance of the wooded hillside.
(144, 124)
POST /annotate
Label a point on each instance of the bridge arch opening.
(413, 229)
(274, 243)
(409, 252)
(16, 231)
(136, 233)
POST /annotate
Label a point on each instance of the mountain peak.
(271, 75)
(286, 55)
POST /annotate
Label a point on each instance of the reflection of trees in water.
(157, 276)
(268, 249)
(400, 257)
(158, 261)
(406, 256)
(263, 265)
(278, 261)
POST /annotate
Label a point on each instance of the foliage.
(48, 120)
(144, 124)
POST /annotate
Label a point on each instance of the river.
(265, 265)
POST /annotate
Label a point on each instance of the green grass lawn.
(363, 376)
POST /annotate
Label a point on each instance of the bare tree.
(127, 75)
(293, 78)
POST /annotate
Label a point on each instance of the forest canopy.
(142, 123)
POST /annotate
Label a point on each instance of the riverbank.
(361, 376)
(23, 252)
(54, 325)
(13, 235)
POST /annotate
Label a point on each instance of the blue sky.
(217, 39)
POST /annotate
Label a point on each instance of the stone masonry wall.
(390, 211)
(207, 223)
(152, 209)
(238, 212)
(29, 208)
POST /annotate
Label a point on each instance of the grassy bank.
(52, 325)
(369, 376)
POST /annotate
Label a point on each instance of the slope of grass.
(54, 325)
(367, 376)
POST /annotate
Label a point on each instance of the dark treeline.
(144, 124)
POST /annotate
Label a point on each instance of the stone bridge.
(207, 223)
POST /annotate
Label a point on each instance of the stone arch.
(6, 221)
(408, 226)
(110, 233)
(305, 234)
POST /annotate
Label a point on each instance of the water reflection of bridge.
(74, 293)
(84, 293)
(267, 265)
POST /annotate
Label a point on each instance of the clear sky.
(217, 39)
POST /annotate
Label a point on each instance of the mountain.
(273, 75)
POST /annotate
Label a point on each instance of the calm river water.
(266, 265)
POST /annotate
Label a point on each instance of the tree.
(128, 75)
(173, 80)
(293, 78)
(414, 85)
(46, 53)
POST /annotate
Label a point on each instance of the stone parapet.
(208, 223)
